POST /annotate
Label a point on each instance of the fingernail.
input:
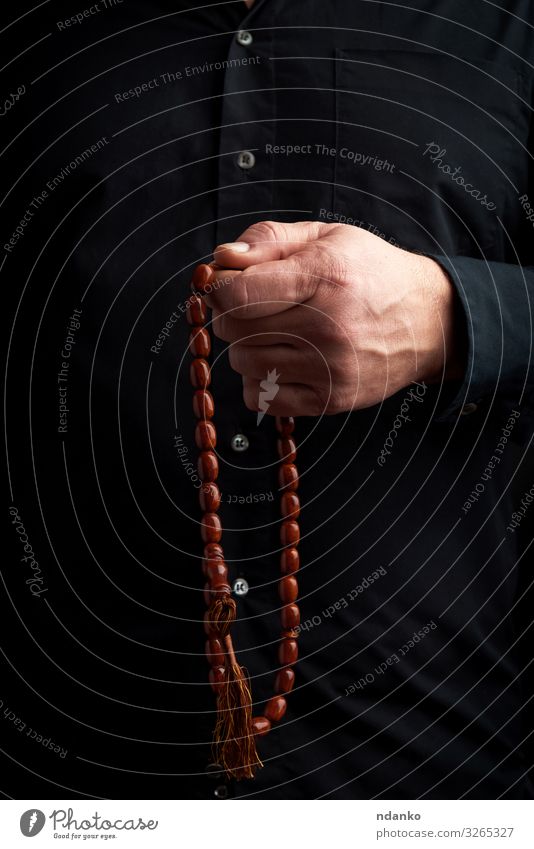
(239, 247)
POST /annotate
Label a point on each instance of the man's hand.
(343, 317)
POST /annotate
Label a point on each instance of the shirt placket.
(248, 124)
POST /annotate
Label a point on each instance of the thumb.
(268, 241)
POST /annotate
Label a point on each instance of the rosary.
(236, 729)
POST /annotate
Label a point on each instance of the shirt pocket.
(431, 149)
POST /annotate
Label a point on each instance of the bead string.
(236, 729)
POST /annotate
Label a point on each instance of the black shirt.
(123, 167)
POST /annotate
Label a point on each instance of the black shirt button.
(246, 160)
(214, 770)
(244, 38)
(467, 409)
(240, 586)
(239, 442)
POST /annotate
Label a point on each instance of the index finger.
(265, 289)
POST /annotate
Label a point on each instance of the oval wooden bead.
(288, 652)
(200, 342)
(205, 435)
(289, 532)
(283, 683)
(215, 652)
(209, 496)
(217, 572)
(275, 708)
(285, 425)
(208, 595)
(210, 527)
(260, 725)
(289, 561)
(203, 404)
(288, 477)
(196, 312)
(217, 678)
(213, 549)
(288, 589)
(207, 466)
(287, 450)
(207, 560)
(200, 373)
(290, 505)
(290, 616)
(202, 275)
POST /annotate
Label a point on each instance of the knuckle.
(319, 401)
(304, 278)
(237, 358)
(341, 269)
(336, 404)
(335, 266)
(300, 271)
(221, 328)
(265, 231)
(324, 400)
(337, 373)
(239, 294)
(231, 295)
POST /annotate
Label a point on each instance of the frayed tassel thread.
(234, 745)
(233, 740)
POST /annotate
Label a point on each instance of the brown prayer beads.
(218, 651)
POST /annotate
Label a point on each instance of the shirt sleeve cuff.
(495, 307)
